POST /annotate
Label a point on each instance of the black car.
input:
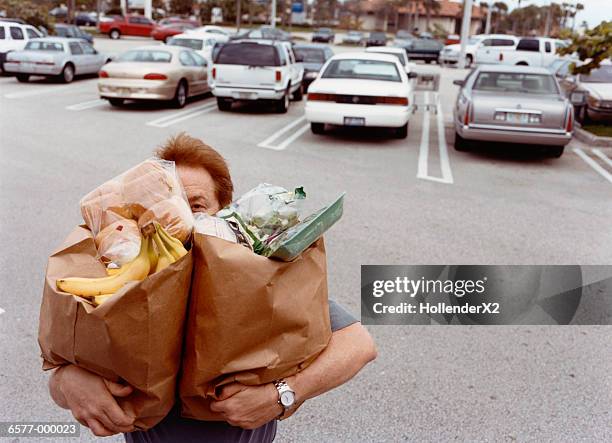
(376, 39)
(313, 57)
(264, 32)
(425, 49)
(72, 31)
(86, 19)
(323, 35)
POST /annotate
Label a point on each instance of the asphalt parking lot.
(412, 201)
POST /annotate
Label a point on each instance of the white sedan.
(361, 89)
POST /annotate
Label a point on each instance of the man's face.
(200, 189)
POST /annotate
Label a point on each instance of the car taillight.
(278, 76)
(402, 101)
(214, 73)
(103, 74)
(467, 116)
(154, 76)
(569, 126)
(315, 96)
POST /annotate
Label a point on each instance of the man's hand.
(248, 407)
(91, 400)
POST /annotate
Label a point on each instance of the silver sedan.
(512, 104)
(59, 57)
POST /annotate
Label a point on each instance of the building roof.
(447, 8)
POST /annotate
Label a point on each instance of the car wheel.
(428, 61)
(402, 131)
(116, 101)
(282, 105)
(224, 104)
(298, 94)
(317, 128)
(180, 96)
(461, 144)
(23, 78)
(67, 74)
(114, 34)
(556, 151)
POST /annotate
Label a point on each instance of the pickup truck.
(250, 69)
(14, 36)
(529, 51)
(137, 25)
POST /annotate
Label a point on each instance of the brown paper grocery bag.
(136, 336)
(250, 319)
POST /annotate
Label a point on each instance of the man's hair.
(183, 149)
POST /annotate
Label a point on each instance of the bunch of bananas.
(158, 250)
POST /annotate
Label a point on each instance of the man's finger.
(117, 389)
(117, 415)
(106, 421)
(98, 429)
(228, 390)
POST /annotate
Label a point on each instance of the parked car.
(86, 19)
(353, 38)
(376, 39)
(136, 25)
(264, 32)
(402, 34)
(158, 73)
(203, 44)
(164, 32)
(220, 34)
(249, 70)
(591, 93)
(325, 35)
(312, 56)
(425, 49)
(478, 44)
(63, 58)
(529, 51)
(361, 89)
(451, 39)
(176, 20)
(72, 31)
(400, 54)
(512, 104)
(14, 36)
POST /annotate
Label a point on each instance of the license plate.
(246, 95)
(354, 121)
(514, 117)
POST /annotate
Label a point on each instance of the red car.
(137, 25)
(164, 32)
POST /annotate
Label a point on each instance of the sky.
(595, 11)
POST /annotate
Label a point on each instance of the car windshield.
(192, 43)
(378, 35)
(324, 31)
(145, 56)
(515, 82)
(603, 74)
(362, 69)
(398, 55)
(311, 55)
(44, 46)
(250, 54)
(354, 33)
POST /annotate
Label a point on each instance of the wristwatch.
(286, 396)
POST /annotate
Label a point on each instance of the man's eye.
(198, 208)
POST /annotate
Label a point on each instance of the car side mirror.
(578, 98)
(412, 74)
(459, 82)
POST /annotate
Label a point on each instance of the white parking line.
(86, 105)
(593, 164)
(267, 143)
(602, 156)
(423, 165)
(176, 117)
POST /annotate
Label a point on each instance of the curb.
(592, 139)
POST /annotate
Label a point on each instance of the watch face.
(287, 398)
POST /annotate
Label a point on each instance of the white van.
(14, 36)
(529, 51)
(247, 70)
(477, 44)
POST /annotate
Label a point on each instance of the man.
(249, 411)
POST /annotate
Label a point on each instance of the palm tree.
(430, 5)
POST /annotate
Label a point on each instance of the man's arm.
(91, 399)
(250, 407)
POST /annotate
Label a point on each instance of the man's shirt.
(174, 428)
